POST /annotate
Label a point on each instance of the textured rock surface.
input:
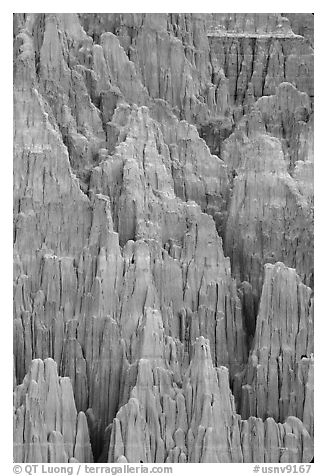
(270, 218)
(47, 427)
(278, 380)
(160, 161)
(196, 421)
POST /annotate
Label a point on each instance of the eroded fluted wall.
(139, 253)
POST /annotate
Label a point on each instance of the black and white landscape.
(163, 238)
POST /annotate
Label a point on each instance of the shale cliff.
(163, 237)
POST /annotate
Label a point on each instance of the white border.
(320, 195)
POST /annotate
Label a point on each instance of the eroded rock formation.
(196, 421)
(160, 162)
(278, 380)
(47, 427)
